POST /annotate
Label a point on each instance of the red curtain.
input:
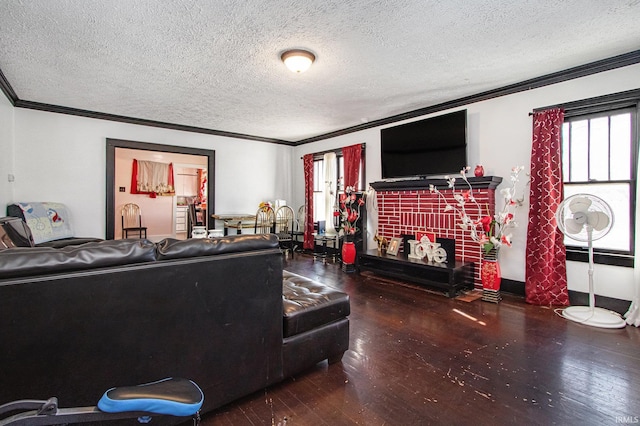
(546, 269)
(134, 177)
(202, 186)
(170, 180)
(352, 157)
(308, 201)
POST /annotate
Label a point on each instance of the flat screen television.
(430, 147)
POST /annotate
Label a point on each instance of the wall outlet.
(122, 189)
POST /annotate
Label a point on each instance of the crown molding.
(141, 121)
(7, 89)
(591, 68)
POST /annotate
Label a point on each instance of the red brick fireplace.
(407, 207)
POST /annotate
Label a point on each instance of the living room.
(55, 156)
(38, 145)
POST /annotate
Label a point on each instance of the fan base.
(595, 317)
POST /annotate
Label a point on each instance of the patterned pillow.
(47, 221)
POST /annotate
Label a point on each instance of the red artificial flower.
(486, 223)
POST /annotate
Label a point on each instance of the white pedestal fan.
(586, 218)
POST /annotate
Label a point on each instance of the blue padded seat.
(171, 396)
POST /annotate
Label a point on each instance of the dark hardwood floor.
(417, 357)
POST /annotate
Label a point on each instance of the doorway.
(112, 210)
(190, 188)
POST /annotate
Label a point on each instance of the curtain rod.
(336, 150)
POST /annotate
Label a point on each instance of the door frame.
(111, 146)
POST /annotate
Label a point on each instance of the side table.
(323, 241)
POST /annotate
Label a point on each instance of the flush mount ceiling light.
(298, 60)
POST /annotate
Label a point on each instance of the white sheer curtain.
(633, 314)
(330, 187)
(155, 177)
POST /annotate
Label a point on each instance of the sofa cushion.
(30, 261)
(75, 241)
(171, 248)
(309, 304)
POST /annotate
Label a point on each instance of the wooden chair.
(132, 221)
(284, 229)
(265, 221)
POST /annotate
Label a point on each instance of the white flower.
(475, 224)
(506, 193)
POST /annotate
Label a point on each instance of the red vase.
(348, 253)
(490, 271)
(478, 171)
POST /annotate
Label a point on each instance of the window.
(599, 157)
(319, 181)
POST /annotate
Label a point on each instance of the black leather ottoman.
(315, 325)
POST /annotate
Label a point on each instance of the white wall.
(6, 152)
(63, 158)
(500, 138)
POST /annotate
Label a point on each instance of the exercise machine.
(166, 397)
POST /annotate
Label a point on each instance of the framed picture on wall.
(394, 246)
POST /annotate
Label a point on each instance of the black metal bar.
(70, 416)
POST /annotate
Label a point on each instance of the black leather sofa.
(78, 320)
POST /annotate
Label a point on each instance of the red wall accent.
(411, 211)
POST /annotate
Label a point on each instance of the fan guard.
(586, 218)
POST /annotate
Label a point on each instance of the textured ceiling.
(215, 64)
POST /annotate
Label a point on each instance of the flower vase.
(490, 276)
(348, 255)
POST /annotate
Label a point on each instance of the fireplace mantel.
(484, 182)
